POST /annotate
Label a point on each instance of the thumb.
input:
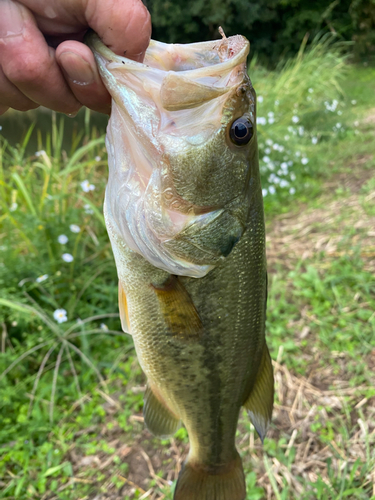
(123, 25)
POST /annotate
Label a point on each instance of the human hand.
(33, 72)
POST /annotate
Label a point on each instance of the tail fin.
(226, 483)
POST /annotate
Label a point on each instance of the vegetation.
(71, 391)
(274, 27)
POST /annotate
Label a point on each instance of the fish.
(184, 213)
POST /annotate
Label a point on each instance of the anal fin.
(259, 404)
(159, 420)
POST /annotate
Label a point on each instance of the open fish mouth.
(171, 114)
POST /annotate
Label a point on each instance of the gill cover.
(178, 187)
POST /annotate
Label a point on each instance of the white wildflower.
(295, 119)
(338, 125)
(284, 183)
(41, 278)
(271, 120)
(298, 153)
(104, 327)
(261, 120)
(286, 137)
(266, 159)
(305, 161)
(269, 142)
(97, 158)
(13, 207)
(301, 130)
(268, 151)
(290, 163)
(354, 102)
(292, 190)
(356, 123)
(62, 239)
(67, 257)
(314, 140)
(271, 190)
(60, 315)
(271, 114)
(88, 210)
(264, 192)
(277, 102)
(339, 112)
(260, 98)
(86, 186)
(74, 228)
(40, 153)
(292, 177)
(284, 166)
(311, 90)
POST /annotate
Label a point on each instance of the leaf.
(52, 470)
(25, 192)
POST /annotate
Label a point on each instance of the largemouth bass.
(184, 213)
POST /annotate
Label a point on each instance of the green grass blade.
(25, 192)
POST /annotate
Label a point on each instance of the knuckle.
(25, 71)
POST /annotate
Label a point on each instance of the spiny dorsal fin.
(260, 402)
(178, 309)
(159, 420)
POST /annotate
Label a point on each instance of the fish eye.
(241, 131)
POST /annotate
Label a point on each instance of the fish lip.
(99, 48)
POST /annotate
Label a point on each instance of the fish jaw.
(173, 107)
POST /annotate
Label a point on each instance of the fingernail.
(77, 69)
(11, 19)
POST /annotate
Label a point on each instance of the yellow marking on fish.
(123, 307)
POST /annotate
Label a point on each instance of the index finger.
(124, 26)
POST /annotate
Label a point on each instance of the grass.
(72, 392)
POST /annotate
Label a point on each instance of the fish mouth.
(178, 93)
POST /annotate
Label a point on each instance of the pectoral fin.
(159, 420)
(179, 312)
(123, 307)
(260, 402)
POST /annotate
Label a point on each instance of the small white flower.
(271, 120)
(271, 114)
(268, 151)
(62, 239)
(264, 192)
(292, 190)
(13, 207)
(88, 209)
(97, 158)
(292, 176)
(356, 123)
(269, 142)
(1, 128)
(354, 102)
(261, 120)
(260, 98)
(79, 321)
(284, 183)
(271, 190)
(74, 228)
(314, 140)
(67, 257)
(86, 186)
(277, 102)
(339, 112)
(266, 159)
(286, 137)
(338, 125)
(301, 130)
(41, 278)
(40, 153)
(305, 161)
(284, 166)
(311, 90)
(295, 119)
(290, 163)
(60, 315)
(104, 327)
(298, 153)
